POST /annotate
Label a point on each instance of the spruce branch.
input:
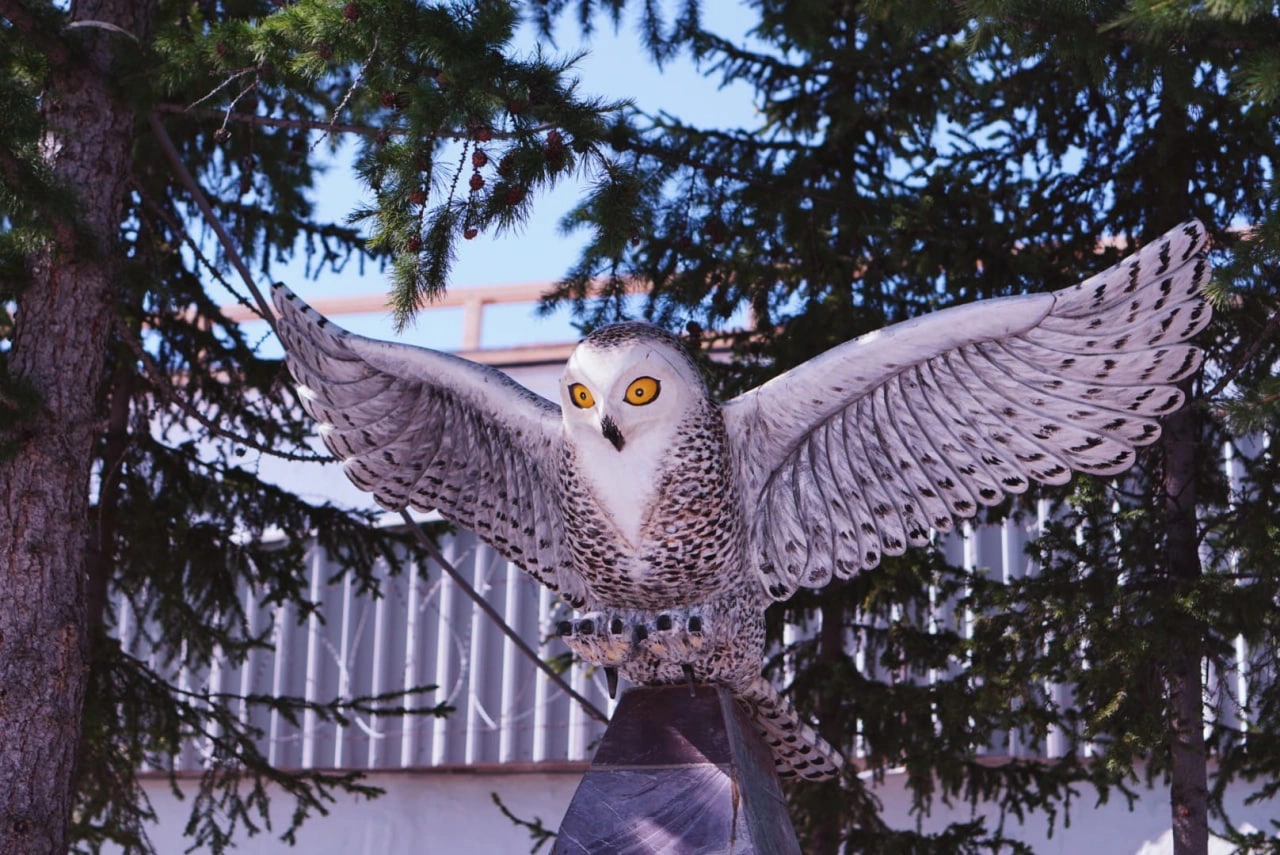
(304, 124)
(1268, 331)
(1261, 35)
(36, 29)
(481, 603)
(176, 228)
(155, 378)
(346, 96)
(538, 832)
(186, 180)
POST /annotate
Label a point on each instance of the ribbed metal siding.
(423, 630)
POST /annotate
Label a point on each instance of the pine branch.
(37, 30)
(154, 377)
(255, 120)
(1269, 330)
(18, 174)
(511, 634)
(202, 202)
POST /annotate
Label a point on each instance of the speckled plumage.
(673, 520)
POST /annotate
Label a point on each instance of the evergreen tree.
(132, 412)
(908, 156)
(915, 155)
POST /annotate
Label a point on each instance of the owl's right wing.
(860, 451)
(424, 429)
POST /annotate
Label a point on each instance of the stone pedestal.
(678, 772)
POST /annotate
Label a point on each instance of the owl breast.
(688, 546)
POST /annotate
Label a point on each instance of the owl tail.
(798, 750)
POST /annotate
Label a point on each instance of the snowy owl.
(670, 521)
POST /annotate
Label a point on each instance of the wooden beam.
(484, 295)
(679, 772)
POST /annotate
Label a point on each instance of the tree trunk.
(63, 327)
(1189, 790)
(825, 832)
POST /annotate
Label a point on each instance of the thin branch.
(1268, 330)
(236, 75)
(483, 604)
(184, 177)
(155, 377)
(269, 122)
(351, 90)
(323, 126)
(226, 117)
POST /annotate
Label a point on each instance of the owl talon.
(688, 674)
(600, 638)
(696, 640)
(663, 641)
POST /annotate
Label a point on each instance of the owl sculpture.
(670, 521)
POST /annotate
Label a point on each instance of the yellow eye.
(581, 396)
(642, 391)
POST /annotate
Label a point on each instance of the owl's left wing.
(858, 452)
(416, 427)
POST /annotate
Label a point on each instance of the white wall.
(420, 814)
(452, 812)
(429, 810)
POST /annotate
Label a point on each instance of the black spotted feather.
(859, 452)
(423, 429)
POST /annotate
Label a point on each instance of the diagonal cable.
(264, 307)
(484, 606)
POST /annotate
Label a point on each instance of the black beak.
(612, 433)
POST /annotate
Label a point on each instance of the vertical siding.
(424, 630)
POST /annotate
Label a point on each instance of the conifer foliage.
(905, 156)
(133, 413)
(912, 155)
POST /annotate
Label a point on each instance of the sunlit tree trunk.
(63, 327)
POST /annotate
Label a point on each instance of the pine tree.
(915, 155)
(909, 156)
(132, 412)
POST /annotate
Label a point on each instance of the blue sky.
(615, 67)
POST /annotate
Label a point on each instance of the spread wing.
(416, 427)
(858, 452)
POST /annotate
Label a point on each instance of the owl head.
(627, 385)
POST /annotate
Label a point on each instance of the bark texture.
(1189, 787)
(63, 329)
(825, 831)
